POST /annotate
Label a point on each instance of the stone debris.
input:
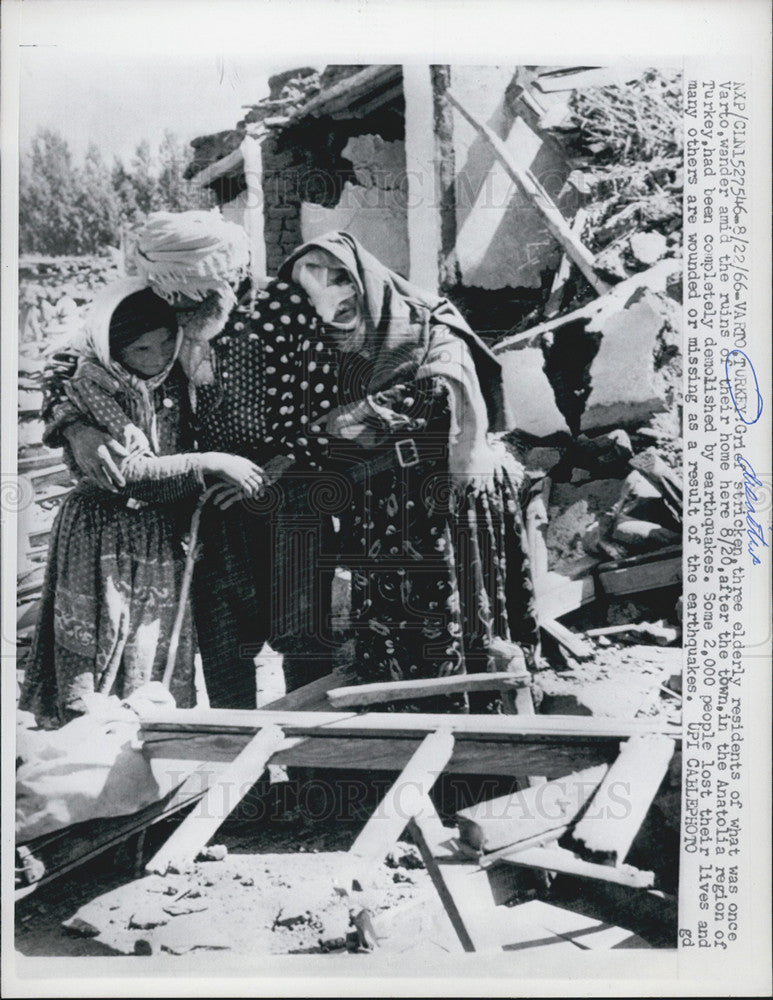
(148, 918)
(77, 927)
(215, 852)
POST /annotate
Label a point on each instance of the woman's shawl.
(98, 366)
(412, 334)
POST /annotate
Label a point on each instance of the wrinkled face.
(331, 288)
(149, 354)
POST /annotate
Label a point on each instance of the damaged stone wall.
(282, 172)
(613, 365)
(373, 208)
(322, 174)
(501, 238)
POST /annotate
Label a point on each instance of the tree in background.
(48, 215)
(176, 193)
(145, 180)
(97, 203)
(69, 209)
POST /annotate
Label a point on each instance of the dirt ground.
(278, 890)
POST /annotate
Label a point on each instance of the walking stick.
(190, 559)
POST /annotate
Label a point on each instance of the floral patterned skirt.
(439, 572)
(109, 602)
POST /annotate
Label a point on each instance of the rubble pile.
(53, 295)
(626, 143)
(599, 427)
(53, 292)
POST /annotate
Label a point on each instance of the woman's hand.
(235, 471)
(95, 454)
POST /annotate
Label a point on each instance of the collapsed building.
(549, 211)
(546, 204)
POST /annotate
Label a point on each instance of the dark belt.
(405, 453)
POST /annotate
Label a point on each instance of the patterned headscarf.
(201, 256)
(99, 364)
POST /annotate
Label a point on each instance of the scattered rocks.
(215, 852)
(77, 927)
(648, 248)
(148, 918)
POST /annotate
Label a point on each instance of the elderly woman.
(114, 574)
(244, 353)
(432, 529)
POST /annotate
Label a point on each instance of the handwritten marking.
(754, 535)
(756, 386)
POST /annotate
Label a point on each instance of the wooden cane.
(190, 559)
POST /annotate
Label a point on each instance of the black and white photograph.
(358, 625)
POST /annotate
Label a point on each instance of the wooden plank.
(467, 893)
(587, 933)
(227, 791)
(546, 839)
(564, 271)
(32, 584)
(550, 83)
(386, 691)
(404, 800)
(623, 799)
(558, 859)
(473, 757)
(53, 475)
(52, 493)
(469, 757)
(642, 577)
(45, 459)
(468, 936)
(39, 539)
(411, 725)
(311, 696)
(532, 812)
(577, 645)
(537, 195)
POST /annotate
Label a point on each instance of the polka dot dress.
(275, 380)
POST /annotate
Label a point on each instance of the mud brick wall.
(283, 171)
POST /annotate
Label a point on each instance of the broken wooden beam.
(509, 745)
(404, 800)
(617, 810)
(311, 696)
(386, 691)
(577, 645)
(532, 812)
(536, 194)
(558, 859)
(655, 278)
(639, 574)
(220, 799)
